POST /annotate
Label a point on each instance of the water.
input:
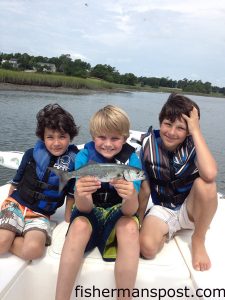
(19, 109)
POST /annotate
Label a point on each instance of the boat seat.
(58, 237)
(212, 279)
(10, 268)
(168, 270)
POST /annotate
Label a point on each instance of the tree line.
(65, 65)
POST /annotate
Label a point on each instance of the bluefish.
(104, 173)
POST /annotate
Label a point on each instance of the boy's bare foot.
(200, 258)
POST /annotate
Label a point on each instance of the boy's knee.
(5, 243)
(148, 250)
(211, 189)
(127, 228)
(208, 190)
(32, 250)
(81, 226)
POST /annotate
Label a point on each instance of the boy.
(33, 195)
(104, 214)
(181, 180)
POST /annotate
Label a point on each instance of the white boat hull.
(10, 159)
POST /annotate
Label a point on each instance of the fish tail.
(64, 177)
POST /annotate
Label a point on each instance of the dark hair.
(54, 117)
(175, 106)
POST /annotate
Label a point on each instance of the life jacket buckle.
(39, 184)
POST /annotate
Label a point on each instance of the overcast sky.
(176, 38)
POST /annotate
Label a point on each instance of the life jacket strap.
(177, 183)
(125, 153)
(35, 183)
(33, 197)
(44, 185)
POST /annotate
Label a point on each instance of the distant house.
(46, 67)
(12, 61)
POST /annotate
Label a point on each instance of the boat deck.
(169, 275)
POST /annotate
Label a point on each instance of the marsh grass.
(53, 80)
(76, 83)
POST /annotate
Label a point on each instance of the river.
(19, 109)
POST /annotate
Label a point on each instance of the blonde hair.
(110, 119)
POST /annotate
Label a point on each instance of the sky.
(176, 39)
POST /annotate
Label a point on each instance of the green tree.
(129, 79)
(154, 82)
(80, 68)
(105, 72)
(65, 64)
(24, 62)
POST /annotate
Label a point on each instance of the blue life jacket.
(171, 174)
(38, 189)
(107, 196)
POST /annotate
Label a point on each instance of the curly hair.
(175, 106)
(54, 117)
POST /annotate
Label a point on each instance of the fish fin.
(63, 177)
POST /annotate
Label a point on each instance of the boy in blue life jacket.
(181, 175)
(104, 214)
(33, 195)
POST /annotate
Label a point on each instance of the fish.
(104, 172)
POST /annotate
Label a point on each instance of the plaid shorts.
(103, 223)
(20, 219)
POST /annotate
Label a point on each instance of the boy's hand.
(192, 121)
(86, 186)
(12, 188)
(124, 188)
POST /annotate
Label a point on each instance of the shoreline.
(73, 91)
(57, 90)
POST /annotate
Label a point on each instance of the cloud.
(77, 56)
(176, 38)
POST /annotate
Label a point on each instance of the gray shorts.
(176, 219)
